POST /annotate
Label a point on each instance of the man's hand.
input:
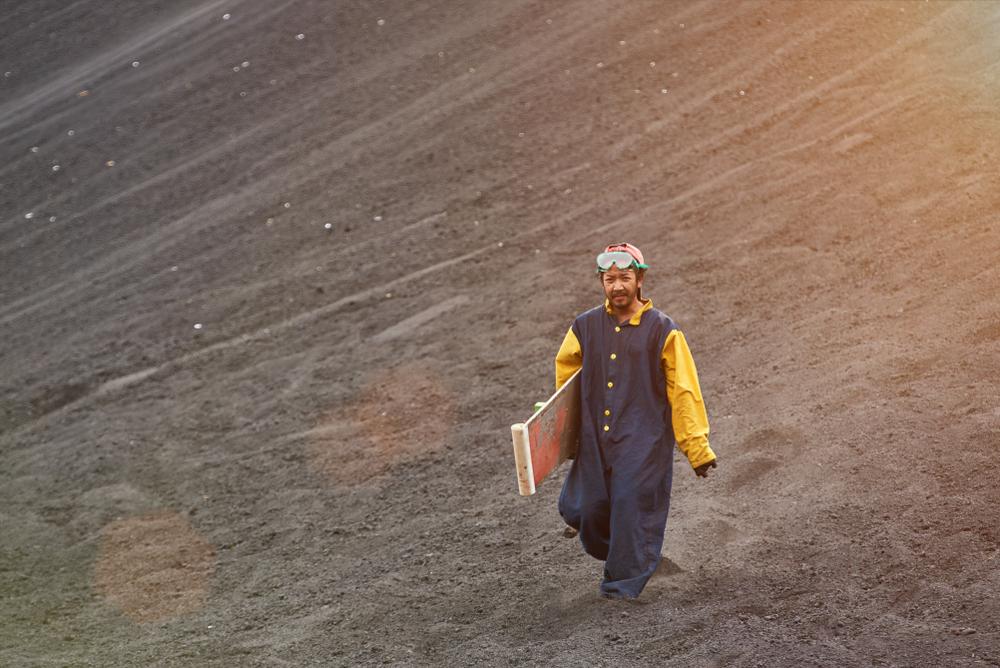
(702, 471)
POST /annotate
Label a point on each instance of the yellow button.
(607, 428)
(613, 356)
(607, 412)
(618, 329)
(610, 384)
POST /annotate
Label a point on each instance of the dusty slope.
(321, 474)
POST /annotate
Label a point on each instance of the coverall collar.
(634, 320)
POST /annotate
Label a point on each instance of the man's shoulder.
(591, 313)
(661, 319)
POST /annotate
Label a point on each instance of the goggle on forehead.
(620, 258)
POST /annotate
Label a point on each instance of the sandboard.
(548, 438)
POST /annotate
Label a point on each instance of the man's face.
(621, 286)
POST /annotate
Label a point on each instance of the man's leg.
(640, 501)
(584, 506)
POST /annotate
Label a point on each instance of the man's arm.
(687, 409)
(568, 359)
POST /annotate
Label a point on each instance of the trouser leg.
(584, 506)
(639, 505)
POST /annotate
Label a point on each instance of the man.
(639, 392)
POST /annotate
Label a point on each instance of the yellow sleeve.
(568, 359)
(687, 409)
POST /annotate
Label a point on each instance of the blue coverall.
(617, 492)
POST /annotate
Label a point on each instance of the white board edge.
(522, 459)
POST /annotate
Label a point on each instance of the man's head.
(621, 270)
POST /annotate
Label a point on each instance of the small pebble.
(197, 325)
(300, 36)
(52, 219)
(110, 163)
(287, 205)
(55, 168)
(135, 63)
(381, 22)
(71, 132)
(226, 17)
(377, 219)
(29, 215)
(34, 149)
(328, 226)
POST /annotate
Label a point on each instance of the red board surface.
(553, 434)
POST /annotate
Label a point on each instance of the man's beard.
(628, 296)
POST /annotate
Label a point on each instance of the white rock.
(52, 219)
(29, 215)
(135, 63)
(328, 226)
(287, 205)
(377, 219)
(300, 36)
(381, 22)
(71, 132)
(245, 63)
(110, 163)
(197, 325)
(226, 17)
(34, 149)
(55, 168)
